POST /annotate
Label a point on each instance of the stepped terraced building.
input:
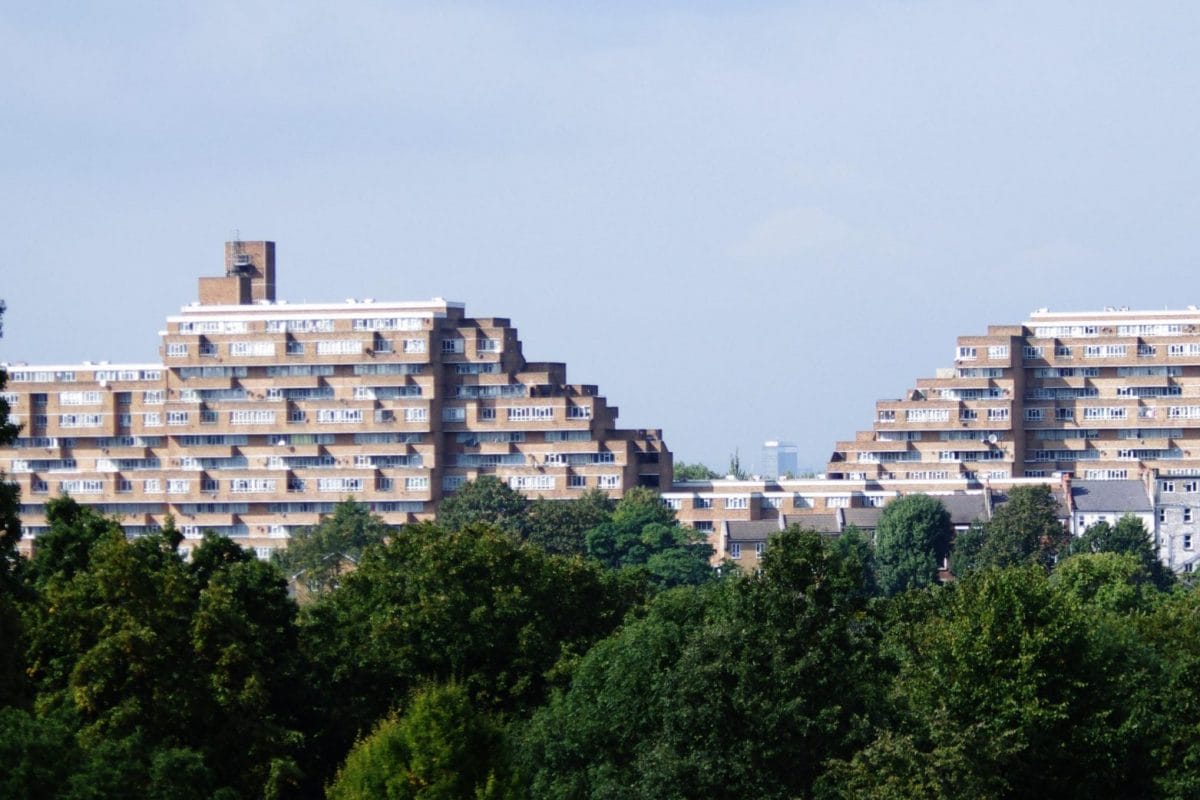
(261, 415)
(1104, 395)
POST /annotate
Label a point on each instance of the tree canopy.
(912, 536)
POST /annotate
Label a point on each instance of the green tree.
(13, 688)
(487, 500)
(853, 546)
(694, 472)
(740, 688)
(966, 548)
(913, 534)
(473, 606)
(1025, 530)
(245, 647)
(317, 555)
(441, 748)
(1009, 687)
(560, 526)
(1129, 536)
(643, 534)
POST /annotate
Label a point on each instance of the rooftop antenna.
(241, 263)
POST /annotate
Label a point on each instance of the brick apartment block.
(261, 415)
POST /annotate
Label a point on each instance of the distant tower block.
(779, 458)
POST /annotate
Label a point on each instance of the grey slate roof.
(865, 518)
(964, 508)
(822, 523)
(1117, 496)
(757, 530)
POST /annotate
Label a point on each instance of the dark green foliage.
(486, 500)
(694, 472)
(440, 749)
(642, 533)
(472, 606)
(966, 548)
(913, 534)
(560, 526)
(1024, 530)
(180, 679)
(853, 546)
(317, 556)
(1008, 689)
(1128, 536)
(38, 753)
(740, 689)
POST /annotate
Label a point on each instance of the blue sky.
(743, 221)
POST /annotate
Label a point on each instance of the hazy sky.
(743, 221)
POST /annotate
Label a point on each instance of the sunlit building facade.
(261, 415)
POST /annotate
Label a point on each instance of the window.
(294, 347)
(451, 483)
(1191, 486)
(576, 481)
(1187, 541)
(79, 420)
(340, 484)
(453, 346)
(965, 354)
(178, 486)
(527, 413)
(1187, 515)
(487, 413)
(998, 351)
(1062, 351)
(997, 414)
(176, 350)
(759, 549)
(1033, 415)
(489, 346)
(151, 486)
(78, 398)
(177, 418)
(249, 485)
(928, 415)
(339, 347)
(837, 502)
(609, 481)
(1064, 414)
(968, 414)
(339, 415)
(251, 417)
(416, 484)
(258, 348)
(1168, 486)
(1033, 352)
(737, 502)
(416, 414)
(1162, 515)
(735, 550)
(531, 482)
(702, 502)
(454, 414)
(124, 486)
(579, 412)
(414, 345)
(887, 415)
